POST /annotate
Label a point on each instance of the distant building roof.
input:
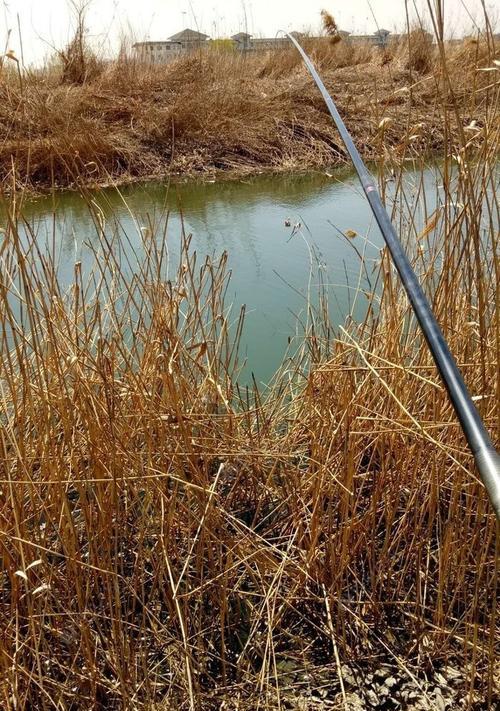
(188, 36)
(382, 32)
(241, 36)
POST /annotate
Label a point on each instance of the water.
(275, 267)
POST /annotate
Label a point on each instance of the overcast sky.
(47, 23)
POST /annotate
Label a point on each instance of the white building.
(165, 51)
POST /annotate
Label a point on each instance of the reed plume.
(330, 27)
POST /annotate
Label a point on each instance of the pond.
(283, 235)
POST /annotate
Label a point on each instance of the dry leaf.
(34, 564)
(40, 589)
(386, 120)
(430, 225)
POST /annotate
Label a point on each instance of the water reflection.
(274, 266)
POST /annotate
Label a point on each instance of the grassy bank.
(169, 540)
(93, 122)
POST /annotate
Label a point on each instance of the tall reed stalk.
(170, 540)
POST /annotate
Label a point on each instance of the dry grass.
(418, 51)
(171, 542)
(168, 541)
(219, 111)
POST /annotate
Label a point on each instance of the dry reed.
(330, 27)
(218, 111)
(169, 541)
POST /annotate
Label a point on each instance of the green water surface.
(283, 235)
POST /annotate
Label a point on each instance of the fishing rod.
(486, 458)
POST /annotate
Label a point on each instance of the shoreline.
(208, 177)
(216, 118)
(192, 177)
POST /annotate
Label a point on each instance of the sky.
(47, 24)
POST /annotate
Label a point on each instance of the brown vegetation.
(171, 541)
(79, 64)
(93, 122)
(330, 27)
(420, 51)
